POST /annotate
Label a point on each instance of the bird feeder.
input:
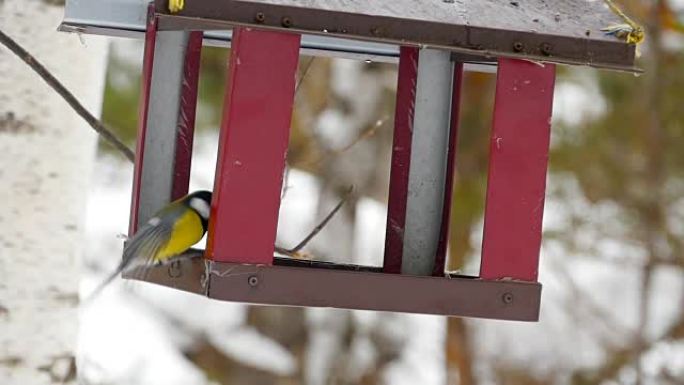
(433, 42)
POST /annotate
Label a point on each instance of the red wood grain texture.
(146, 82)
(186, 118)
(401, 158)
(519, 150)
(252, 146)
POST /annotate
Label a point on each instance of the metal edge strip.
(480, 41)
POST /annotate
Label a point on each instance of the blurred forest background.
(612, 260)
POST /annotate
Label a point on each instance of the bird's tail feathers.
(104, 283)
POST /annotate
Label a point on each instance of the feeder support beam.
(429, 143)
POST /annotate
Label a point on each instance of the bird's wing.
(139, 252)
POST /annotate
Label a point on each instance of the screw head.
(518, 46)
(286, 22)
(253, 280)
(507, 298)
(259, 17)
(546, 49)
(174, 270)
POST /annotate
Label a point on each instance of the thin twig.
(306, 71)
(286, 180)
(640, 340)
(95, 123)
(367, 133)
(598, 313)
(363, 135)
(318, 228)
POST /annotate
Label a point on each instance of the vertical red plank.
(186, 118)
(252, 146)
(440, 257)
(518, 160)
(146, 81)
(401, 159)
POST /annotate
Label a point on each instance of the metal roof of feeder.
(561, 31)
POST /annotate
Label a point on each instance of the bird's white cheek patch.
(154, 221)
(201, 206)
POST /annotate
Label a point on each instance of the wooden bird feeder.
(433, 42)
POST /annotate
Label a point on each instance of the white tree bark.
(46, 158)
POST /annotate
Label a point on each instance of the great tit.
(170, 232)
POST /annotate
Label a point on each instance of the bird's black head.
(200, 201)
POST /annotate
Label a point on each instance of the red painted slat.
(440, 257)
(252, 146)
(401, 159)
(146, 81)
(186, 118)
(518, 160)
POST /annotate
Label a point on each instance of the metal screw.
(253, 280)
(546, 49)
(286, 22)
(175, 270)
(518, 46)
(260, 17)
(507, 298)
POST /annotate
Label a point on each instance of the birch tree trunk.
(46, 158)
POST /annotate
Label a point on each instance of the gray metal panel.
(427, 170)
(115, 14)
(162, 120)
(552, 17)
(126, 18)
(559, 31)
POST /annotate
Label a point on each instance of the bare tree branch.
(363, 135)
(367, 133)
(95, 123)
(618, 358)
(293, 251)
(599, 315)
